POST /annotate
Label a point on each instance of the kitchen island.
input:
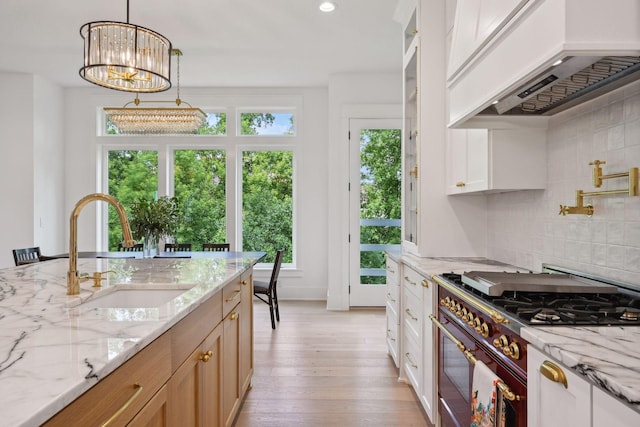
(55, 347)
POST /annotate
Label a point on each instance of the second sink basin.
(128, 296)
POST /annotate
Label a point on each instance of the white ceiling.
(224, 42)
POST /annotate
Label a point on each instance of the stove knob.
(462, 313)
(515, 351)
(454, 306)
(483, 330)
(470, 318)
(477, 322)
(501, 342)
(442, 301)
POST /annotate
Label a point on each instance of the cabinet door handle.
(233, 316)
(244, 283)
(460, 184)
(425, 283)
(390, 270)
(554, 373)
(410, 314)
(231, 298)
(138, 389)
(206, 356)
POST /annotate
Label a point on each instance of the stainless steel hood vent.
(577, 79)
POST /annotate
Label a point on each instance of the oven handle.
(497, 317)
(506, 391)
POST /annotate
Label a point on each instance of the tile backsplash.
(525, 228)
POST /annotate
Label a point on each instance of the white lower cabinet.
(609, 411)
(392, 307)
(579, 403)
(418, 349)
(551, 403)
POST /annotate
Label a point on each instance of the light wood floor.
(325, 368)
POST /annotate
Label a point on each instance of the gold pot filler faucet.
(73, 279)
(598, 177)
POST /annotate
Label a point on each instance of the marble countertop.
(608, 356)
(53, 348)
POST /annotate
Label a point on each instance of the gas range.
(600, 305)
(480, 315)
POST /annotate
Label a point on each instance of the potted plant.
(153, 219)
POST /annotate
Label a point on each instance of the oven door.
(456, 376)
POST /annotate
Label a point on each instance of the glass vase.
(150, 246)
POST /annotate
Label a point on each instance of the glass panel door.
(375, 206)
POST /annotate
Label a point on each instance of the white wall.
(31, 165)
(525, 228)
(309, 279)
(355, 95)
(49, 167)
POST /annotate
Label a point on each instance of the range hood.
(539, 57)
(575, 80)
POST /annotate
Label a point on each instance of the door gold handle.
(554, 373)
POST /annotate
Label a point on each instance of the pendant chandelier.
(125, 57)
(157, 120)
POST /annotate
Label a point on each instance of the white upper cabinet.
(476, 22)
(495, 160)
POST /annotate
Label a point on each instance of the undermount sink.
(135, 296)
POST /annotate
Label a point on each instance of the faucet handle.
(97, 277)
(564, 210)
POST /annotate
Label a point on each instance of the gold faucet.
(73, 280)
(580, 208)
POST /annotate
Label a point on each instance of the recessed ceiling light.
(327, 6)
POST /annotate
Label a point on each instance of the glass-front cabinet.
(410, 135)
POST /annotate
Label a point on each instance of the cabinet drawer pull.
(389, 335)
(231, 298)
(406, 278)
(460, 184)
(390, 269)
(138, 389)
(233, 316)
(411, 362)
(554, 373)
(410, 314)
(206, 356)
(425, 283)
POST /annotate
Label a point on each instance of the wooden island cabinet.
(195, 374)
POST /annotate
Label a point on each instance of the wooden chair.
(268, 290)
(177, 247)
(216, 247)
(26, 255)
(138, 247)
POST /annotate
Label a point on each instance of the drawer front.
(412, 282)
(130, 387)
(412, 359)
(393, 296)
(412, 316)
(231, 295)
(392, 272)
(393, 343)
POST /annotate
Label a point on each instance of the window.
(267, 202)
(200, 178)
(267, 124)
(132, 174)
(234, 181)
